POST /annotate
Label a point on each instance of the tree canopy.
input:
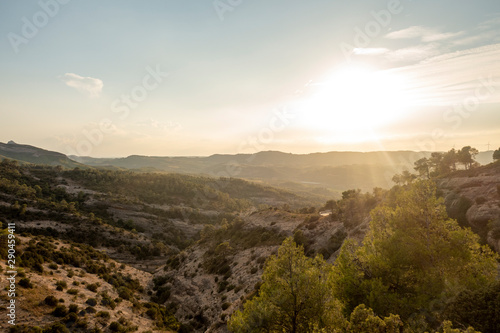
(413, 259)
(296, 296)
(443, 163)
(496, 155)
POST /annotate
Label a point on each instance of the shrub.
(71, 318)
(478, 308)
(61, 285)
(73, 308)
(115, 327)
(90, 309)
(93, 287)
(103, 314)
(152, 313)
(72, 291)
(56, 328)
(91, 302)
(50, 301)
(125, 293)
(25, 283)
(108, 301)
(60, 311)
(225, 306)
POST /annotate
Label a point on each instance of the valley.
(106, 249)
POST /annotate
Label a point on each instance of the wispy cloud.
(482, 37)
(370, 51)
(158, 125)
(414, 53)
(408, 33)
(89, 86)
(423, 33)
(492, 23)
(436, 81)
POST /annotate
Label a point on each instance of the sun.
(356, 99)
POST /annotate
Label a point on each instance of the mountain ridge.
(31, 154)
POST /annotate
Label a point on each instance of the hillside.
(68, 285)
(34, 155)
(145, 221)
(334, 171)
(473, 198)
(135, 215)
(174, 251)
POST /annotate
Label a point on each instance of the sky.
(184, 78)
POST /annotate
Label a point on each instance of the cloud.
(440, 36)
(408, 33)
(491, 23)
(477, 39)
(413, 53)
(158, 125)
(370, 51)
(423, 33)
(86, 85)
(455, 76)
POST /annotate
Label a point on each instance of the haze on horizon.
(174, 78)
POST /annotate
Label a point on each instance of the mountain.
(31, 154)
(485, 157)
(113, 250)
(334, 171)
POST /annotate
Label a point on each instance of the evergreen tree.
(496, 155)
(296, 296)
(413, 259)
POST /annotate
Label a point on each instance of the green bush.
(25, 283)
(93, 287)
(71, 317)
(91, 302)
(61, 285)
(115, 327)
(73, 308)
(72, 291)
(56, 328)
(477, 308)
(60, 311)
(103, 314)
(50, 301)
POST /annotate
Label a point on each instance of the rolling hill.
(35, 155)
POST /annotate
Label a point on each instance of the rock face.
(473, 198)
(206, 285)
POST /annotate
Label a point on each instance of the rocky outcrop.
(473, 198)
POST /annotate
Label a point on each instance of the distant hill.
(335, 171)
(31, 154)
(485, 157)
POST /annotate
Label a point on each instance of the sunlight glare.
(356, 99)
